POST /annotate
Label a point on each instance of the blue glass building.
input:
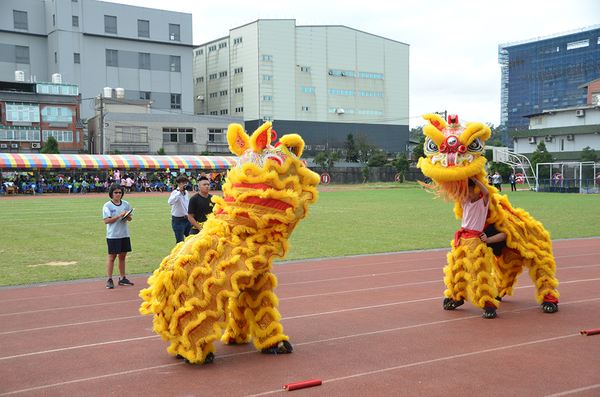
(544, 73)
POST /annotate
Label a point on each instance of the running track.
(366, 325)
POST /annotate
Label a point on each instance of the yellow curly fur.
(221, 277)
(470, 263)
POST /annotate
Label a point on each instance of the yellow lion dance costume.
(454, 154)
(224, 272)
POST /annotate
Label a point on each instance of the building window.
(345, 73)
(60, 136)
(76, 57)
(370, 75)
(181, 135)
(370, 112)
(131, 134)
(306, 108)
(212, 76)
(267, 57)
(212, 48)
(20, 19)
(267, 98)
(143, 28)
(268, 118)
(268, 78)
(305, 69)
(145, 95)
(199, 79)
(222, 74)
(214, 113)
(110, 24)
(20, 135)
(58, 114)
(238, 70)
(239, 110)
(237, 41)
(222, 45)
(22, 112)
(341, 92)
(54, 20)
(75, 20)
(239, 90)
(224, 112)
(307, 89)
(370, 94)
(173, 32)
(212, 95)
(144, 60)
(112, 58)
(175, 101)
(578, 44)
(56, 57)
(217, 135)
(223, 93)
(175, 62)
(341, 111)
(22, 54)
(199, 52)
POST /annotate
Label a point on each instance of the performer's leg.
(506, 270)
(542, 272)
(456, 284)
(482, 291)
(238, 328)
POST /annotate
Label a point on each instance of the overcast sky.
(453, 44)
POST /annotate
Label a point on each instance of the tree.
(419, 152)
(206, 153)
(161, 152)
(402, 165)
(366, 173)
(51, 146)
(416, 133)
(588, 154)
(378, 159)
(496, 138)
(326, 161)
(502, 168)
(116, 151)
(364, 147)
(350, 148)
(321, 160)
(542, 155)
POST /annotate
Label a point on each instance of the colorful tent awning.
(38, 161)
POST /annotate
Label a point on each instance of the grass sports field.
(64, 238)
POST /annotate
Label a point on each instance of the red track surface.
(366, 325)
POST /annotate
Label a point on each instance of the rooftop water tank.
(120, 93)
(57, 78)
(19, 75)
(107, 92)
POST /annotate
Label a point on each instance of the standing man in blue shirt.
(179, 201)
(117, 233)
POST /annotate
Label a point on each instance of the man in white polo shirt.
(179, 201)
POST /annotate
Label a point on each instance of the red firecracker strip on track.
(302, 385)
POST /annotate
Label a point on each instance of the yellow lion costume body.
(222, 276)
(454, 154)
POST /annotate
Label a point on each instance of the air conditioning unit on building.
(531, 139)
(3, 146)
(200, 98)
(570, 137)
(548, 138)
(340, 111)
(14, 145)
(35, 145)
(580, 113)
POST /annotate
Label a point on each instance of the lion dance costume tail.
(222, 276)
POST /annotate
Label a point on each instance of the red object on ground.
(302, 385)
(591, 332)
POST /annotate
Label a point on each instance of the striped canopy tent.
(38, 161)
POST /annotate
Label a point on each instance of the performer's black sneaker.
(110, 284)
(124, 281)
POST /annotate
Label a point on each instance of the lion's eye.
(430, 147)
(476, 146)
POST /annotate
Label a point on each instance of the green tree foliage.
(419, 152)
(402, 165)
(503, 169)
(416, 133)
(51, 146)
(378, 159)
(161, 152)
(350, 148)
(496, 138)
(542, 155)
(206, 153)
(588, 154)
(366, 173)
(116, 151)
(365, 147)
(327, 161)
(321, 160)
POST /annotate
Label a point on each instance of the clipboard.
(127, 213)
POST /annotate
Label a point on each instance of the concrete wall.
(354, 175)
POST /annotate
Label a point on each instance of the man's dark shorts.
(118, 245)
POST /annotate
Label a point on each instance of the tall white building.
(96, 44)
(321, 82)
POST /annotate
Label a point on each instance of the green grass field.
(52, 239)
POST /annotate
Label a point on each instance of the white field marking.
(359, 276)
(54, 296)
(70, 324)
(299, 344)
(573, 391)
(358, 264)
(69, 307)
(90, 379)
(436, 360)
(79, 347)
(358, 290)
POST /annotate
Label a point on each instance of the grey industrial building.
(321, 82)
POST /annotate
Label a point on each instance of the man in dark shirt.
(200, 205)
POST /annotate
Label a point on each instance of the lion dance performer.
(455, 154)
(222, 276)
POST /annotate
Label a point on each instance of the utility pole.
(444, 113)
(102, 118)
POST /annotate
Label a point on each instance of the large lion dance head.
(454, 154)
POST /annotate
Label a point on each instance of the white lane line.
(573, 391)
(78, 347)
(90, 379)
(436, 360)
(70, 324)
(71, 307)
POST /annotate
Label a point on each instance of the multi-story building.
(545, 73)
(32, 112)
(321, 82)
(96, 44)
